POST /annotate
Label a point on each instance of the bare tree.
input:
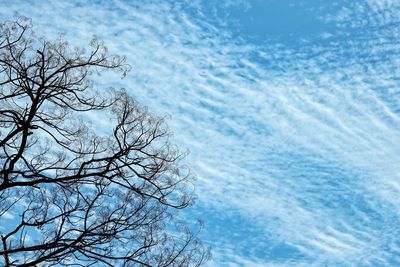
(71, 194)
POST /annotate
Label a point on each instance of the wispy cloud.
(297, 149)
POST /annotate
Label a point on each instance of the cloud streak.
(296, 149)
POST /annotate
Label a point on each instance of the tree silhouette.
(76, 194)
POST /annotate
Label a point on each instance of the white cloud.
(303, 143)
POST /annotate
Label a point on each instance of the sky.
(290, 110)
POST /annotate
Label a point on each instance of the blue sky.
(291, 111)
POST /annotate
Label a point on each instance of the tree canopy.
(73, 193)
